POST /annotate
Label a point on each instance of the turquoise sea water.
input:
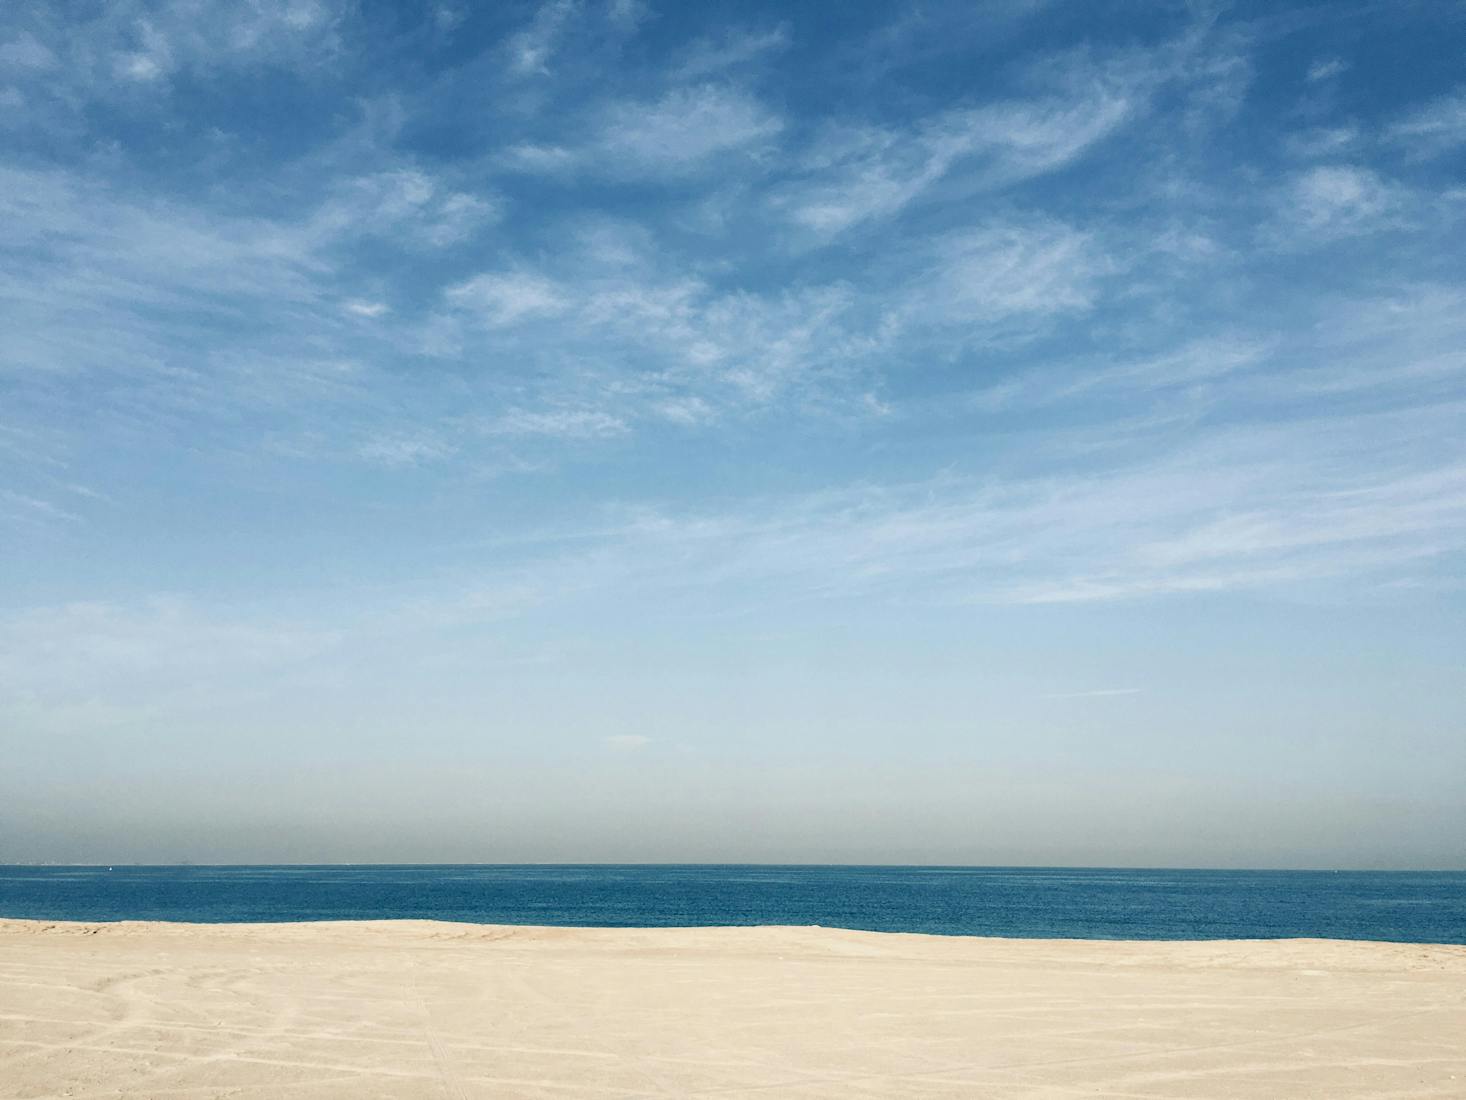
(1420, 907)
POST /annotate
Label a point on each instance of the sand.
(425, 1009)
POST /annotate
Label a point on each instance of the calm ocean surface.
(1031, 902)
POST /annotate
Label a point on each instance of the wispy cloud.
(405, 205)
(652, 342)
(628, 15)
(507, 298)
(1434, 128)
(404, 451)
(21, 508)
(642, 339)
(857, 175)
(1190, 364)
(1063, 108)
(985, 277)
(531, 49)
(1334, 201)
(730, 50)
(91, 297)
(685, 127)
(1263, 509)
(1323, 141)
(556, 423)
(98, 55)
(686, 130)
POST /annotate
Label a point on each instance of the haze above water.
(1017, 433)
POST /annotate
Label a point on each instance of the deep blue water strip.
(1407, 906)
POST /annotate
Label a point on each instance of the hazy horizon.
(1019, 434)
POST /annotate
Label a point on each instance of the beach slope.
(407, 1009)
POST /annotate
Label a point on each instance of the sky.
(604, 430)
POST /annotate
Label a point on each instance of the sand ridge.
(435, 1009)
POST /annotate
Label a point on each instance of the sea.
(1030, 902)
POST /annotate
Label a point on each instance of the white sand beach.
(423, 1009)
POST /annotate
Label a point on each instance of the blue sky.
(1017, 432)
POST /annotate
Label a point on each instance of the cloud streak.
(859, 175)
(1434, 128)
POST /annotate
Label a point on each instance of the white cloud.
(1338, 201)
(1199, 360)
(1434, 128)
(152, 61)
(23, 509)
(684, 410)
(140, 67)
(25, 52)
(556, 423)
(367, 309)
(678, 134)
(859, 174)
(1323, 141)
(683, 129)
(731, 49)
(1256, 508)
(1002, 280)
(99, 267)
(507, 298)
(1326, 69)
(395, 451)
(756, 344)
(528, 157)
(303, 15)
(616, 333)
(1205, 360)
(637, 342)
(1360, 491)
(531, 49)
(146, 298)
(405, 205)
(1410, 343)
(86, 55)
(627, 15)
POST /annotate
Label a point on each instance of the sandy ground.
(421, 1009)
